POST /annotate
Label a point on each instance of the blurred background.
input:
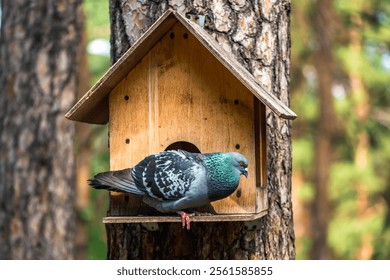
(340, 89)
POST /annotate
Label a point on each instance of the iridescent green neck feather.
(223, 178)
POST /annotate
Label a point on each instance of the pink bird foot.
(185, 219)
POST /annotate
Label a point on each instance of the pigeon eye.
(241, 163)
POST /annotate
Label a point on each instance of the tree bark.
(38, 83)
(83, 133)
(325, 128)
(258, 34)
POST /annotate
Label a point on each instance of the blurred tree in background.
(39, 57)
(340, 84)
(359, 177)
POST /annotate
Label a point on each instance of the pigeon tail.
(119, 181)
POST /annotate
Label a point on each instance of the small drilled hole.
(127, 141)
(238, 146)
(185, 36)
(238, 193)
(236, 102)
(126, 97)
(172, 35)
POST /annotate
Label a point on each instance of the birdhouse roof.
(93, 106)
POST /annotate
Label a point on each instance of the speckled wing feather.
(168, 175)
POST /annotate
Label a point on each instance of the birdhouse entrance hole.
(183, 145)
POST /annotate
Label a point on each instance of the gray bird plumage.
(173, 181)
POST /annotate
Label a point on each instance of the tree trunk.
(361, 102)
(38, 83)
(83, 133)
(325, 129)
(257, 33)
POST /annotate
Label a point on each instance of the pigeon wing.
(167, 175)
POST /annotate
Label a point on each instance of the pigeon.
(177, 180)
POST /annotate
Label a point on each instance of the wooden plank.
(263, 145)
(129, 132)
(261, 157)
(94, 111)
(177, 219)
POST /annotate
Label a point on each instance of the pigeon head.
(223, 173)
(240, 163)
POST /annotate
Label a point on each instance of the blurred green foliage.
(97, 27)
(359, 192)
(97, 209)
(97, 19)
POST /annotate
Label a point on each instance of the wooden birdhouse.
(176, 88)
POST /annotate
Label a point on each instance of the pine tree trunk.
(361, 102)
(257, 33)
(38, 83)
(325, 128)
(83, 133)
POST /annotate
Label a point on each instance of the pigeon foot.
(185, 219)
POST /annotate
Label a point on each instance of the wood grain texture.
(177, 219)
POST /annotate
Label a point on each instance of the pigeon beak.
(245, 172)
